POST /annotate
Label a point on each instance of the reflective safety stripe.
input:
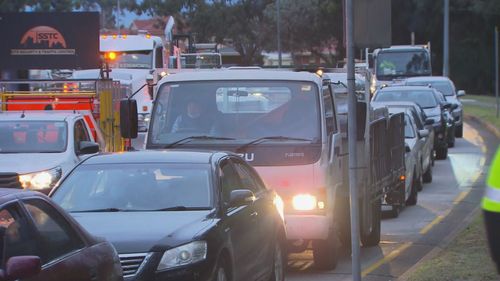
(493, 194)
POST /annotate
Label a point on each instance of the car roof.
(427, 79)
(242, 74)
(7, 192)
(406, 88)
(156, 156)
(38, 115)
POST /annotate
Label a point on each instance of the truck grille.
(9, 180)
(133, 263)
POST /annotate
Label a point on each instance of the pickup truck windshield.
(32, 136)
(401, 64)
(135, 59)
(240, 111)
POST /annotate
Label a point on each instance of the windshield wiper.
(276, 138)
(188, 139)
(111, 210)
(179, 208)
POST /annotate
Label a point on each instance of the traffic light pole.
(352, 138)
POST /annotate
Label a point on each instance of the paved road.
(442, 206)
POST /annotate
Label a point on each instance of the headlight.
(183, 255)
(307, 202)
(40, 180)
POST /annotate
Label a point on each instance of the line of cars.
(433, 119)
(198, 215)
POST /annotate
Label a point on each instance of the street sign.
(372, 23)
(49, 40)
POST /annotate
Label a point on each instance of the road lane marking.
(391, 256)
(437, 220)
(460, 197)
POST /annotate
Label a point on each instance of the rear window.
(425, 99)
(32, 136)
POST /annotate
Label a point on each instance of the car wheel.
(419, 185)
(451, 143)
(395, 210)
(459, 133)
(428, 175)
(412, 200)
(371, 237)
(221, 272)
(278, 273)
(326, 253)
(442, 153)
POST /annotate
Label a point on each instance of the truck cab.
(398, 63)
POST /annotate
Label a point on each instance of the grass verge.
(465, 259)
(486, 113)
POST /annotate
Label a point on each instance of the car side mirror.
(87, 147)
(429, 121)
(454, 106)
(460, 93)
(407, 148)
(129, 122)
(241, 197)
(21, 267)
(423, 133)
(446, 105)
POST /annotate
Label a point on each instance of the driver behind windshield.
(195, 119)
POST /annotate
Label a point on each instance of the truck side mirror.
(150, 83)
(429, 121)
(129, 122)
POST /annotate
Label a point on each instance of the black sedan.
(41, 242)
(180, 215)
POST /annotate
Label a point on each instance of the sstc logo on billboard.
(42, 40)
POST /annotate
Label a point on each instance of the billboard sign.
(49, 40)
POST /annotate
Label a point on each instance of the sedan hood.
(137, 232)
(22, 163)
(434, 111)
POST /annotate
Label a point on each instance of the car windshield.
(135, 59)
(136, 187)
(32, 136)
(240, 111)
(443, 86)
(425, 99)
(393, 64)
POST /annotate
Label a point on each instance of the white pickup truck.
(38, 147)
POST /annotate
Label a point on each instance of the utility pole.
(278, 23)
(496, 72)
(446, 39)
(352, 137)
(118, 16)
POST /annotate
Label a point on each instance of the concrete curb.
(440, 247)
(494, 130)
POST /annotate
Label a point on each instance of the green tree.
(313, 26)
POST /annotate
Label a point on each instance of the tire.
(419, 185)
(412, 200)
(371, 237)
(278, 273)
(459, 132)
(428, 175)
(395, 211)
(442, 153)
(221, 272)
(326, 253)
(452, 142)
